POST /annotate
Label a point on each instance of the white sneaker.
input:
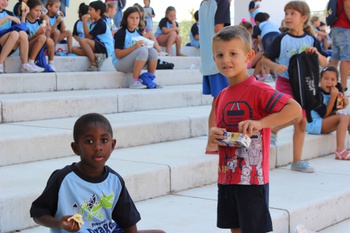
(100, 58)
(137, 85)
(31, 68)
(53, 68)
(158, 85)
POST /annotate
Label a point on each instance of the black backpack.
(163, 65)
(331, 12)
(303, 73)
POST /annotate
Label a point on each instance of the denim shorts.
(340, 44)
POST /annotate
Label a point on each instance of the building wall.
(272, 7)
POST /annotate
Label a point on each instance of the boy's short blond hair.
(234, 32)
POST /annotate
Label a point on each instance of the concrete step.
(13, 63)
(316, 200)
(66, 81)
(59, 104)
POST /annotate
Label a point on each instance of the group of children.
(243, 173)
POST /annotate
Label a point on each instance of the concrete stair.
(160, 151)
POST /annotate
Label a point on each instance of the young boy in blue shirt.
(250, 108)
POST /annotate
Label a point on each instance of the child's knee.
(49, 42)
(14, 35)
(41, 39)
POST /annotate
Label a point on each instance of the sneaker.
(273, 139)
(100, 58)
(53, 68)
(137, 85)
(1, 69)
(268, 78)
(302, 166)
(31, 68)
(158, 85)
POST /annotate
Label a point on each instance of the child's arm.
(321, 59)
(52, 222)
(289, 112)
(330, 105)
(24, 14)
(132, 229)
(12, 18)
(58, 21)
(277, 68)
(119, 53)
(85, 18)
(40, 31)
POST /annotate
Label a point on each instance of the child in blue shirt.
(10, 41)
(149, 15)
(78, 29)
(194, 34)
(97, 44)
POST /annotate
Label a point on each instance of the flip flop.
(338, 155)
(211, 152)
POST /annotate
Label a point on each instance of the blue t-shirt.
(32, 27)
(264, 28)
(285, 45)
(8, 23)
(123, 40)
(78, 29)
(164, 22)
(148, 19)
(211, 13)
(252, 5)
(53, 20)
(100, 31)
(102, 201)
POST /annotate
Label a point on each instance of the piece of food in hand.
(77, 218)
(43, 23)
(23, 6)
(340, 101)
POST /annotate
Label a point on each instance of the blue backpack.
(331, 12)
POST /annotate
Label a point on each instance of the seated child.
(194, 34)
(97, 44)
(111, 10)
(36, 31)
(331, 115)
(131, 55)
(12, 40)
(78, 30)
(69, 189)
(58, 27)
(321, 35)
(168, 32)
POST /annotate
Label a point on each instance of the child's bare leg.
(298, 139)
(7, 42)
(211, 123)
(88, 46)
(236, 230)
(167, 40)
(151, 66)
(35, 45)
(340, 123)
(138, 65)
(150, 35)
(78, 51)
(50, 45)
(178, 45)
(67, 34)
(23, 46)
(54, 36)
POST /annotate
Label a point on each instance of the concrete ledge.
(187, 50)
(67, 81)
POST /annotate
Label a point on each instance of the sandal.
(338, 155)
(93, 67)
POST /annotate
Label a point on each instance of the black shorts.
(245, 207)
(100, 47)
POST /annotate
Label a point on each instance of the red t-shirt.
(342, 20)
(250, 99)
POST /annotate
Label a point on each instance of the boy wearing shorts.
(249, 107)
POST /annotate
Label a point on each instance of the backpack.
(331, 12)
(163, 65)
(303, 73)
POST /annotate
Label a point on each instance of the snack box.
(340, 101)
(236, 140)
